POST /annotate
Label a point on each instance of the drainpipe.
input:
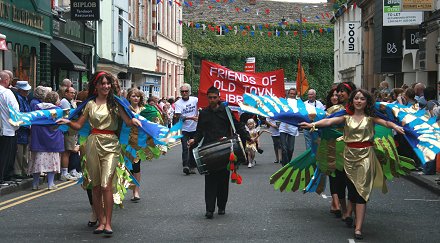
(437, 47)
(113, 30)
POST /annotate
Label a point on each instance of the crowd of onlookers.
(30, 151)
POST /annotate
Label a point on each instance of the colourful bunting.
(267, 11)
(178, 3)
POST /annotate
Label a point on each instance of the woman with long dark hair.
(102, 147)
(361, 165)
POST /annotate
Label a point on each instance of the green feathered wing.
(329, 154)
(295, 175)
(393, 164)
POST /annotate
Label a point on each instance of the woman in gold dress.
(102, 146)
(360, 162)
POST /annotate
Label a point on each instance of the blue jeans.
(287, 147)
(308, 138)
(187, 154)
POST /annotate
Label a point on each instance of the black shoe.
(98, 231)
(186, 170)
(276, 162)
(221, 212)
(108, 232)
(91, 223)
(135, 199)
(209, 215)
(348, 221)
(260, 151)
(358, 236)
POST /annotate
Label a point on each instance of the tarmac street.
(172, 209)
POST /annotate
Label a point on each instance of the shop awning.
(3, 45)
(63, 57)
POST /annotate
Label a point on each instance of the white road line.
(421, 199)
(324, 196)
(351, 241)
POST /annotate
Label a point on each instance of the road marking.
(65, 185)
(324, 196)
(351, 241)
(29, 194)
(421, 199)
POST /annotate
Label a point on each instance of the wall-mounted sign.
(392, 42)
(351, 37)
(417, 5)
(84, 9)
(393, 16)
(412, 39)
(249, 67)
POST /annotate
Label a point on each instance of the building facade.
(143, 49)
(26, 26)
(348, 45)
(171, 52)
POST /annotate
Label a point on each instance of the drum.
(214, 156)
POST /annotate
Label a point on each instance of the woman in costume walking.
(102, 145)
(137, 102)
(360, 162)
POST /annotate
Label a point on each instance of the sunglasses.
(184, 91)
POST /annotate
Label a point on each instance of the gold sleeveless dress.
(102, 150)
(361, 164)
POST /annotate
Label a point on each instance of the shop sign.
(22, 16)
(417, 5)
(392, 42)
(411, 39)
(351, 42)
(249, 67)
(393, 15)
(84, 9)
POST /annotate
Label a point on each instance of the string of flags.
(253, 30)
(217, 4)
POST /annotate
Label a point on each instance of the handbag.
(214, 156)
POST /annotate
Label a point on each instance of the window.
(121, 32)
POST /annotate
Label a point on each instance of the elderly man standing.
(288, 132)
(419, 88)
(314, 103)
(66, 83)
(8, 140)
(70, 137)
(23, 133)
(186, 109)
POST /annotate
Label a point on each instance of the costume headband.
(97, 77)
(347, 86)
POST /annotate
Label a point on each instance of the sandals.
(358, 235)
(135, 199)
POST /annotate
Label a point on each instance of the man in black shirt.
(214, 125)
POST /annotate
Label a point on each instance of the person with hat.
(23, 133)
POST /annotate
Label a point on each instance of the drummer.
(214, 125)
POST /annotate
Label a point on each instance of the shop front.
(72, 51)
(27, 26)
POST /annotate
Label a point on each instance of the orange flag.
(301, 81)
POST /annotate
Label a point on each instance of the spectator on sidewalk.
(275, 132)
(70, 138)
(47, 144)
(288, 132)
(23, 133)
(314, 103)
(39, 95)
(186, 109)
(419, 95)
(66, 83)
(8, 140)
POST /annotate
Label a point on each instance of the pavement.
(426, 181)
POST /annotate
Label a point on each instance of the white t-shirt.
(187, 108)
(7, 98)
(274, 131)
(287, 128)
(316, 104)
(65, 104)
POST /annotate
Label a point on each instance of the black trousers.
(8, 150)
(338, 184)
(187, 153)
(216, 189)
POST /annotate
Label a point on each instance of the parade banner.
(233, 85)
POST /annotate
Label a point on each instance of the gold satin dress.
(102, 150)
(361, 164)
